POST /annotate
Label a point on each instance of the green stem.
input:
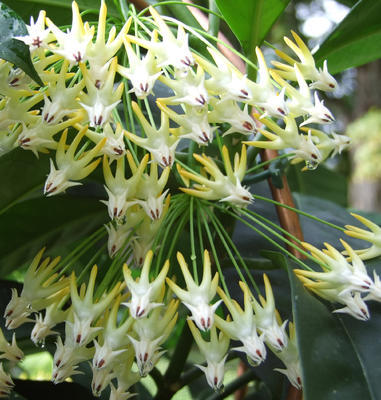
(264, 163)
(277, 203)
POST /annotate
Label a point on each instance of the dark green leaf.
(356, 40)
(250, 20)
(13, 50)
(22, 174)
(332, 367)
(52, 222)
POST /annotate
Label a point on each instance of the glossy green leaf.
(356, 40)
(51, 222)
(251, 20)
(22, 175)
(333, 366)
(14, 50)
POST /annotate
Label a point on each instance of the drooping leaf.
(251, 20)
(13, 50)
(356, 40)
(332, 365)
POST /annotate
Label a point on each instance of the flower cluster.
(345, 280)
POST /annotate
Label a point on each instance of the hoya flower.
(41, 288)
(69, 167)
(225, 79)
(159, 142)
(300, 102)
(37, 36)
(73, 45)
(354, 304)
(171, 50)
(288, 138)
(144, 293)
(264, 93)
(375, 289)
(99, 101)
(86, 309)
(321, 79)
(337, 273)
(53, 315)
(10, 351)
(145, 234)
(8, 140)
(114, 148)
(150, 333)
(189, 89)
(267, 318)
(101, 379)
(39, 138)
(372, 235)
(243, 327)
(221, 187)
(150, 195)
(290, 358)
(101, 51)
(228, 111)
(6, 382)
(215, 353)
(125, 377)
(63, 100)
(118, 188)
(142, 73)
(197, 298)
(193, 124)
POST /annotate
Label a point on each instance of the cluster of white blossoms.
(344, 279)
(84, 83)
(95, 332)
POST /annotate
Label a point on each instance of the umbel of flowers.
(84, 118)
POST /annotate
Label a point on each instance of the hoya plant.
(149, 238)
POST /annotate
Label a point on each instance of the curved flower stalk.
(41, 288)
(228, 111)
(10, 351)
(159, 142)
(197, 298)
(193, 124)
(142, 73)
(118, 188)
(223, 187)
(267, 318)
(290, 358)
(289, 137)
(171, 50)
(86, 310)
(215, 353)
(189, 89)
(243, 327)
(320, 78)
(73, 45)
(150, 333)
(300, 103)
(101, 97)
(373, 236)
(225, 79)
(144, 293)
(150, 195)
(69, 165)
